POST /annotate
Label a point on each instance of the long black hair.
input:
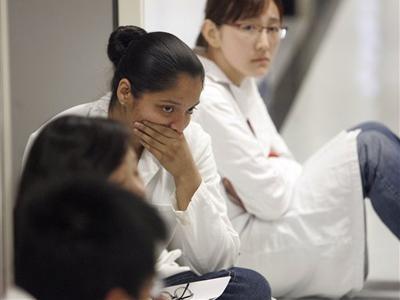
(151, 62)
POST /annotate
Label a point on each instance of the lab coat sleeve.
(263, 183)
(204, 231)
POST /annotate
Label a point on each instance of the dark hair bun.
(120, 40)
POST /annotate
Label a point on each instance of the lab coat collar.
(100, 107)
(148, 166)
(211, 69)
(214, 73)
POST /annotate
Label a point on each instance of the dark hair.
(152, 61)
(229, 11)
(119, 41)
(73, 145)
(79, 239)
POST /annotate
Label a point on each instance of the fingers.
(150, 132)
(167, 145)
(149, 141)
(153, 150)
(162, 129)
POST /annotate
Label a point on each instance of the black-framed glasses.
(180, 293)
(274, 32)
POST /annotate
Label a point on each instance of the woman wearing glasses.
(301, 226)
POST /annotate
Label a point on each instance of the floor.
(355, 78)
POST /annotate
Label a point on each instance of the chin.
(259, 72)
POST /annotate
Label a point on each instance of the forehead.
(270, 13)
(234, 10)
(186, 91)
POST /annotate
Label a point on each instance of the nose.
(262, 42)
(180, 123)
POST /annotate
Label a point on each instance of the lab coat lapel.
(148, 166)
(213, 72)
(244, 96)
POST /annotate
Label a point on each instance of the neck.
(219, 59)
(118, 113)
(115, 112)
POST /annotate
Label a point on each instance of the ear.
(211, 33)
(117, 294)
(124, 92)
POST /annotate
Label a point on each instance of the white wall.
(58, 59)
(131, 12)
(180, 17)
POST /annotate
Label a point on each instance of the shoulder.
(214, 91)
(78, 110)
(98, 108)
(216, 98)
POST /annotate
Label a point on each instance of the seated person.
(86, 239)
(73, 145)
(301, 225)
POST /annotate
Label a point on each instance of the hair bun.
(120, 40)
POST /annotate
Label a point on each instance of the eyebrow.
(270, 20)
(274, 20)
(168, 101)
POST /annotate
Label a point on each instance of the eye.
(191, 110)
(167, 109)
(273, 29)
(248, 27)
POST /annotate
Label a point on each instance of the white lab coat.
(203, 232)
(302, 227)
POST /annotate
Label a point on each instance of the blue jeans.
(379, 158)
(245, 284)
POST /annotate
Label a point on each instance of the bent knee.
(372, 139)
(372, 126)
(253, 283)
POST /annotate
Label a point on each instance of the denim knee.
(253, 284)
(369, 156)
(377, 154)
(371, 126)
(379, 158)
(375, 147)
(377, 127)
